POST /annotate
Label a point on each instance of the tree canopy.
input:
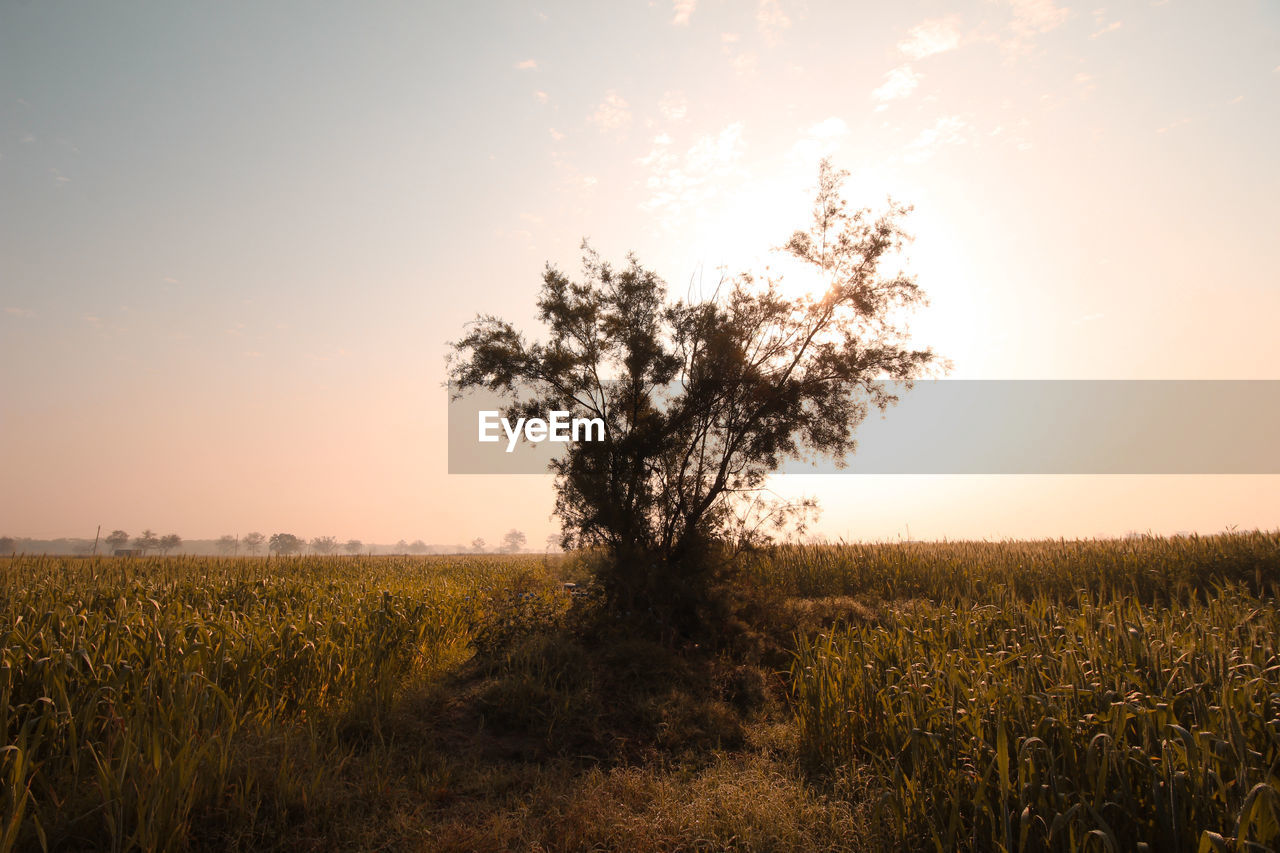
(702, 399)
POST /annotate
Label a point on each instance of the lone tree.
(169, 542)
(702, 400)
(354, 546)
(227, 544)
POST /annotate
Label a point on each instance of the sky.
(236, 238)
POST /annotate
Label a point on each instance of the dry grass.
(737, 802)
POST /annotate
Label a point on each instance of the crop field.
(1108, 695)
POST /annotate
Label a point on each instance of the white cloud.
(677, 183)
(948, 130)
(771, 20)
(1037, 16)
(683, 11)
(744, 64)
(674, 106)
(612, 113)
(1107, 28)
(1174, 124)
(541, 96)
(898, 83)
(527, 65)
(556, 135)
(937, 35)
(1032, 18)
(819, 140)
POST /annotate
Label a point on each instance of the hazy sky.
(235, 237)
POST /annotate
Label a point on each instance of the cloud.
(948, 130)
(936, 35)
(744, 64)
(527, 65)
(556, 135)
(771, 20)
(677, 183)
(1100, 21)
(683, 11)
(819, 140)
(742, 61)
(612, 113)
(1173, 124)
(19, 312)
(674, 106)
(1032, 18)
(541, 96)
(898, 83)
(96, 322)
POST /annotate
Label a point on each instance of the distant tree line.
(254, 543)
(148, 540)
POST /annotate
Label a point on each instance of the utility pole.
(95, 540)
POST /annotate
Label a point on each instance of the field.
(1108, 695)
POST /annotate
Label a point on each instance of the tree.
(324, 544)
(477, 545)
(402, 547)
(418, 547)
(117, 539)
(285, 544)
(702, 399)
(8, 544)
(148, 541)
(354, 546)
(170, 541)
(513, 541)
(253, 542)
(227, 544)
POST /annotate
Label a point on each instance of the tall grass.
(999, 696)
(1147, 567)
(1065, 696)
(126, 686)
